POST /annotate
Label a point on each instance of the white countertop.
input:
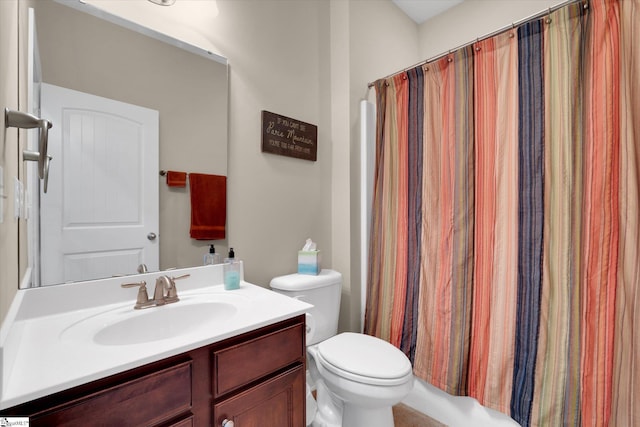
(39, 356)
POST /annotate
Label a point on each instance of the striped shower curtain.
(505, 239)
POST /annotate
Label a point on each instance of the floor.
(405, 416)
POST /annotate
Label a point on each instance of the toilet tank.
(323, 292)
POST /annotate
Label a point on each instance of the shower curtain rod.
(491, 34)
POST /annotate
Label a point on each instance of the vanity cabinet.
(254, 379)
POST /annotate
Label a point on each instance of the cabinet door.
(278, 402)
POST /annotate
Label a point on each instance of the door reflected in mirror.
(84, 54)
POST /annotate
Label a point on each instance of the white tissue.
(310, 245)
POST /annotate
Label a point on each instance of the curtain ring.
(548, 20)
(477, 44)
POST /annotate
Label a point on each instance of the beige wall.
(8, 152)
(310, 60)
(277, 53)
(382, 40)
(474, 19)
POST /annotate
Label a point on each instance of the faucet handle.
(142, 284)
(142, 300)
(172, 291)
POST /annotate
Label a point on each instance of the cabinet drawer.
(243, 363)
(147, 400)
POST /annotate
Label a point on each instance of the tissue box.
(309, 262)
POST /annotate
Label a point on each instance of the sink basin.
(159, 323)
(126, 326)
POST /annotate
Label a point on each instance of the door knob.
(151, 236)
(227, 423)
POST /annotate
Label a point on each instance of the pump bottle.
(232, 271)
(212, 257)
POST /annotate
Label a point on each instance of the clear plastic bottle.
(232, 271)
(212, 257)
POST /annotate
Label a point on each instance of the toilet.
(357, 377)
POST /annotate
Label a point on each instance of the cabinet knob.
(227, 423)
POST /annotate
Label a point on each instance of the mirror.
(186, 85)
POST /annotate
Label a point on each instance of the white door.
(100, 213)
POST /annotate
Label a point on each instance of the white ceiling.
(421, 10)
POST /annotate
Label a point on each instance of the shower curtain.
(505, 237)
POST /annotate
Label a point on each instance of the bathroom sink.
(126, 326)
(159, 323)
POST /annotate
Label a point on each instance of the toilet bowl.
(366, 375)
(357, 377)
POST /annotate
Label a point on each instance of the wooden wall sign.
(289, 137)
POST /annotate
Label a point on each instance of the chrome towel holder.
(21, 120)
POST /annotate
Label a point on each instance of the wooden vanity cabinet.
(254, 379)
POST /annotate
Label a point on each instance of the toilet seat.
(364, 359)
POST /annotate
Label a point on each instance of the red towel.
(208, 206)
(176, 179)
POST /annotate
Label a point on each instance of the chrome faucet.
(165, 292)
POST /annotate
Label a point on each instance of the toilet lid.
(365, 356)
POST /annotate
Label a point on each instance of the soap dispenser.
(232, 268)
(212, 257)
